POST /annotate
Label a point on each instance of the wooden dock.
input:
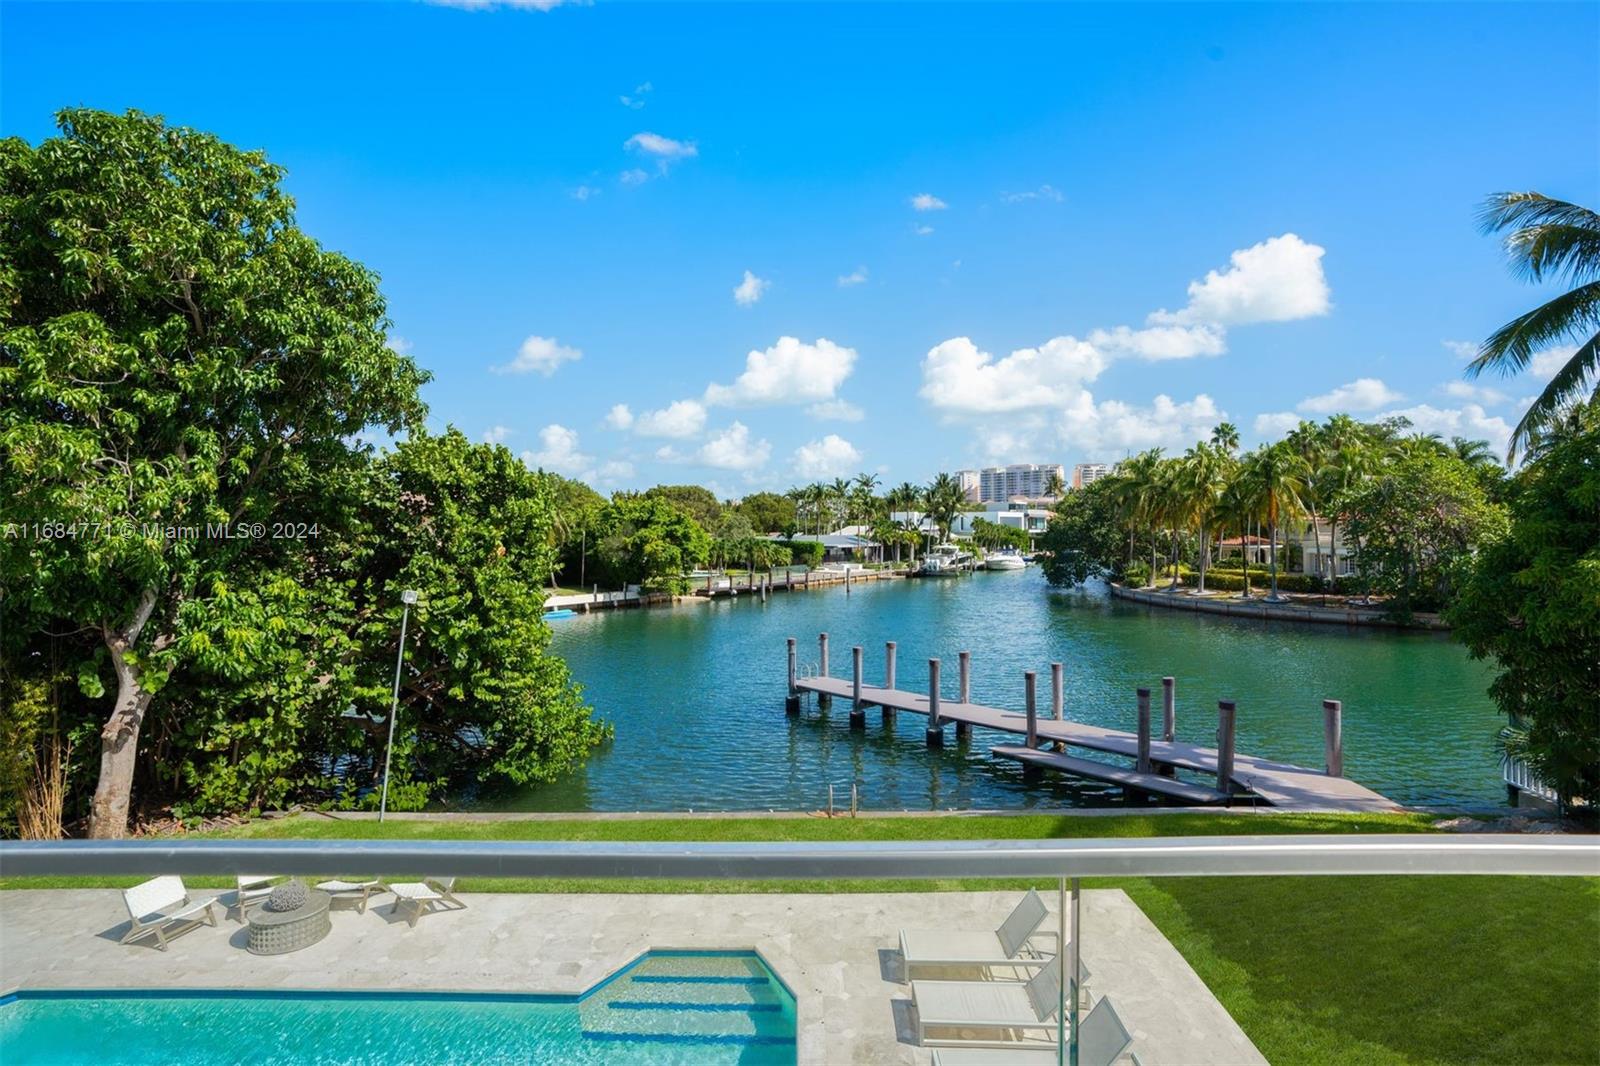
(1277, 783)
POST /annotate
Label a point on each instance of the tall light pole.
(408, 597)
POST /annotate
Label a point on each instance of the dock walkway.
(1280, 784)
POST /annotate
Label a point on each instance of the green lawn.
(1317, 970)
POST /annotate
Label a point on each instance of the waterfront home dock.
(1188, 792)
(1277, 783)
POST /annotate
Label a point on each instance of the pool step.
(750, 1040)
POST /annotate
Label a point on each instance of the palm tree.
(1347, 458)
(1054, 486)
(1308, 442)
(1275, 477)
(1202, 476)
(1475, 453)
(1225, 436)
(1133, 489)
(907, 499)
(839, 501)
(1560, 241)
(944, 500)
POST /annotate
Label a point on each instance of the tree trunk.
(119, 740)
(1272, 553)
(1205, 550)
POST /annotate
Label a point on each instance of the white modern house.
(1032, 519)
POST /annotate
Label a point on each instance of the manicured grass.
(1346, 970)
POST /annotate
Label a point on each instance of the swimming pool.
(663, 1009)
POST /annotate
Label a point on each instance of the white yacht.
(945, 560)
(1006, 559)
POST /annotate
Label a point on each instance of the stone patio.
(839, 953)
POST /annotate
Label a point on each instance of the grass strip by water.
(1336, 970)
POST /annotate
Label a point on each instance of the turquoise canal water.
(666, 1009)
(696, 695)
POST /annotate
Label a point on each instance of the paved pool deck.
(838, 953)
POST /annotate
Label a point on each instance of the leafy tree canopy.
(1085, 536)
(697, 502)
(176, 355)
(1532, 603)
(1417, 521)
(768, 512)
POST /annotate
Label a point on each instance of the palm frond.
(1522, 209)
(1510, 347)
(1548, 238)
(1564, 388)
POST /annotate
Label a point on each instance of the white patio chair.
(248, 889)
(162, 905)
(419, 897)
(1102, 1038)
(1008, 945)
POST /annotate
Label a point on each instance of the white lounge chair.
(1102, 1038)
(248, 889)
(418, 897)
(1009, 945)
(162, 905)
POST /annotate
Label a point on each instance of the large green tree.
(176, 357)
(1532, 603)
(1084, 537)
(696, 501)
(643, 540)
(768, 512)
(1419, 519)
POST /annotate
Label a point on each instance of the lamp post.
(408, 597)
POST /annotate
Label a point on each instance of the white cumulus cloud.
(791, 371)
(539, 354)
(926, 201)
(1469, 420)
(835, 411)
(493, 5)
(1544, 364)
(620, 416)
(1462, 349)
(858, 276)
(1465, 390)
(664, 150)
(1362, 394)
(959, 377)
(1278, 280)
(1112, 429)
(496, 434)
(732, 449)
(684, 418)
(922, 231)
(750, 289)
(1161, 342)
(1275, 424)
(832, 456)
(558, 451)
(633, 176)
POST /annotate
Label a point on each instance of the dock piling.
(935, 734)
(1029, 683)
(1225, 736)
(964, 729)
(858, 713)
(889, 649)
(1143, 764)
(824, 700)
(1058, 707)
(1169, 709)
(1333, 737)
(791, 702)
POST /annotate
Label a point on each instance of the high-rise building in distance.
(999, 484)
(1085, 474)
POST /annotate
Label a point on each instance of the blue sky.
(749, 245)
